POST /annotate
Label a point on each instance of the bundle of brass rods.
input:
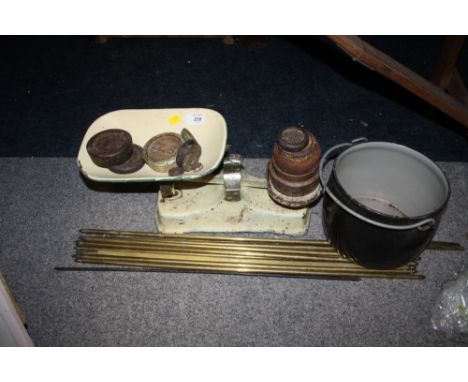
(435, 245)
(162, 257)
(251, 249)
(203, 253)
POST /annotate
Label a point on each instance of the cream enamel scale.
(220, 197)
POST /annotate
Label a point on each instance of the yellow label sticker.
(175, 119)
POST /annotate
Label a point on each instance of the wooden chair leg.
(447, 60)
(457, 88)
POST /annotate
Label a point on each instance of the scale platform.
(207, 126)
(220, 197)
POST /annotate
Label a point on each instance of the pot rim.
(371, 213)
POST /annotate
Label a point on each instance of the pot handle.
(423, 225)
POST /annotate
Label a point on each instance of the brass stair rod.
(202, 237)
(435, 245)
(213, 249)
(252, 262)
(249, 270)
(445, 246)
(185, 254)
(169, 263)
(212, 243)
(146, 269)
(327, 256)
(219, 253)
(255, 270)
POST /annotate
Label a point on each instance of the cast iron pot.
(383, 202)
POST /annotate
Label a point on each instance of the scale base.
(197, 208)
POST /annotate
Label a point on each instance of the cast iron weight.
(293, 180)
(110, 147)
(189, 153)
(132, 164)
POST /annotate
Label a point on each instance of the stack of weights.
(293, 171)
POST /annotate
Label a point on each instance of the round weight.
(110, 147)
(132, 164)
(160, 151)
(188, 155)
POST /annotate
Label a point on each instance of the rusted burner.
(293, 179)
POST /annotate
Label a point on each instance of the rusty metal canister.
(293, 176)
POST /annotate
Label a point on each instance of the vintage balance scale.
(219, 196)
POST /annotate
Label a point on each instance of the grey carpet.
(45, 202)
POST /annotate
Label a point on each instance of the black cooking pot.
(383, 202)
